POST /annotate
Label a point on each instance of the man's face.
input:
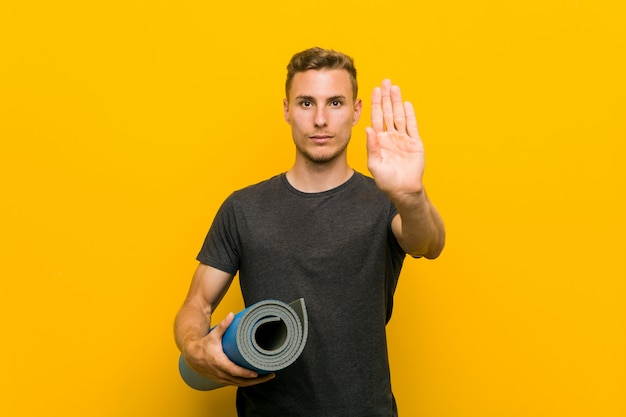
(321, 111)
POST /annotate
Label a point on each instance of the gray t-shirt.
(337, 251)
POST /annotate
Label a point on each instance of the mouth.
(321, 138)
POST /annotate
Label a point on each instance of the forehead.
(321, 84)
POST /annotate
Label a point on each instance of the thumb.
(372, 143)
(223, 325)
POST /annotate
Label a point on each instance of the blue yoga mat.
(266, 337)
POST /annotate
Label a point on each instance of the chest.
(318, 229)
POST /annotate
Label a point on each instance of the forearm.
(192, 324)
(205, 293)
(418, 228)
(202, 350)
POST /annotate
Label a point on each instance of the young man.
(326, 233)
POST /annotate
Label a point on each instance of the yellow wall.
(124, 124)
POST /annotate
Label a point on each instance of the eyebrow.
(312, 99)
(335, 98)
(305, 98)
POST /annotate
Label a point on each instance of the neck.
(311, 177)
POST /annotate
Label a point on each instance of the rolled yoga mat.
(267, 336)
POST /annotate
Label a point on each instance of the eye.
(336, 103)
(306, 103)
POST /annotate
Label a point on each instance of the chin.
(319, 156)
(322, 158)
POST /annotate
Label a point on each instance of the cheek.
(302, 119)
(346, 121)
(297, 123)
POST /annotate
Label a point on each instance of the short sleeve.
(221, 247)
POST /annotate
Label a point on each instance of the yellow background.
(124, 125)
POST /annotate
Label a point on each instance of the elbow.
(431, 249)
(429, 253)
(434, 252)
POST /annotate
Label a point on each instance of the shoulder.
(260, 189)
(364, 181)
(369, 196)
(366, 186)
(255, 196)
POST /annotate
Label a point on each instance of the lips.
(321, 138)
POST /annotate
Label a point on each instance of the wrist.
(408, 198)
(189, 343)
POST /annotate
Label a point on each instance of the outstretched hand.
(395, 153)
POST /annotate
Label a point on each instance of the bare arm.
(396, 161)
(418, 227)
(203, 350)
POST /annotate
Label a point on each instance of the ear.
(286, 109)
(358, 106)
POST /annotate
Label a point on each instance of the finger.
(228, 368)
(399, 120)
(377, 110)
(246, 382)
(387, 105)
(232, 372)
(411, 120)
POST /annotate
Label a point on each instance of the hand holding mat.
(267, 336)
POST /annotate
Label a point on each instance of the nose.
(320, 117)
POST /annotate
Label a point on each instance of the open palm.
(395, 153)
